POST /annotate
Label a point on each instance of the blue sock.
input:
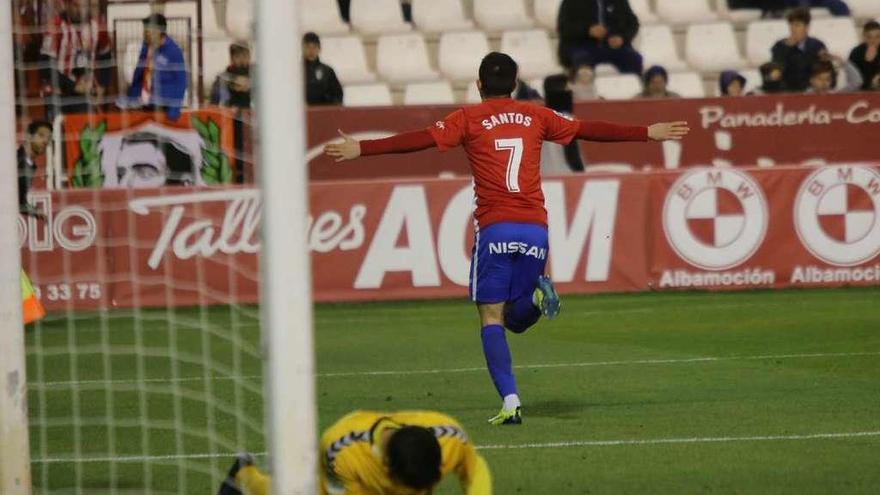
(521, 314)
(498, 359)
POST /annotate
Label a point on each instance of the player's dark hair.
(870, 26)
(800, 14)
(311, 37)
(36, 125)
(413, 455)
(498, 74)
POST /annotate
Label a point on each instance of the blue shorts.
(507, 260)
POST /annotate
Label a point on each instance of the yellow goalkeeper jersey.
(352, 460)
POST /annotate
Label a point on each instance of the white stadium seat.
(532, 51)
(838, 33)
(215, 59)
(347, 57)
(378, 17)
(605, 69)
(685, 11)
(538, 85)
(460, 53)
(473, 94)
(657, 46)
(498, 15)
(322, 17)
(737, 15)
(687, 84)
(403, 58)
(546, 13)
(865, 9)
(642, 9)
(367, 95)
(622, 87)
(239, 18)
(712, 47)
(431, 16)
(429, 93)
(760, 38)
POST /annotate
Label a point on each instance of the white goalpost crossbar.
(15, 471)
(286, 301)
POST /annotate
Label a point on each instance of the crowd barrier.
(699, 228)
(758, 131)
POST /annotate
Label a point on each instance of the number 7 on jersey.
(515, 146)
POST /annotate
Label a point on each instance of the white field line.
(438, 371)
(548, 445)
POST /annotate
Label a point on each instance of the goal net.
(143, 233)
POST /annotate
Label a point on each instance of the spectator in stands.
(865, 56)
(771, 79)
(582, 83)
(525, 92)
(322, 86)
(598, 31)
(798, 52)
(37, 138)
(77, 49)
(775, 8)
(823, 77)
(837, 7)
(159, 81)
(656, 81)
(232, 88)
(732, 83)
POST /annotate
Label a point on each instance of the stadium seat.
(322, 17)
(760, 38)
(865, 9)
(712, 47)
(215, 59)
(687, 84)
(429, 93)
(538, 85)
(546, 13)
(605, 70)
(473, 94)
(367, 95)
(532, 51)
(347, 57)
(239, 19)
(622, 87)
(737, 15)
(378, 17)
(657, 46)
(499, 15)
(460, 53)
(403, 58)
(431, 16)
(838, 33)
(685, 11)
(642, 9)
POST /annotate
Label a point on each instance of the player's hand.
(348, 149)
(664, 131)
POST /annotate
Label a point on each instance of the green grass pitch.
(651, 393)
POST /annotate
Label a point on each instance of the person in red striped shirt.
(502, 139)
(77, 47)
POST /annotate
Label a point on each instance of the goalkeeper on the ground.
(375, 453)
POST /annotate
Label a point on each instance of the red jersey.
(502, 139)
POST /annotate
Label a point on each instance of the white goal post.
(286, 301)
(15, 471)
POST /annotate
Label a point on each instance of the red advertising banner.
(700, 228)
(750, 131)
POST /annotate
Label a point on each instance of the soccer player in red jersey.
(502, 139)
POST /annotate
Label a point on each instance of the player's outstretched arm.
(348, 149)
(665, 131)
(406, 142)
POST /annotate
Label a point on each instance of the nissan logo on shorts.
(715, 219)
(837, 214)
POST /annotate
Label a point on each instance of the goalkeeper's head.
(413, 457)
